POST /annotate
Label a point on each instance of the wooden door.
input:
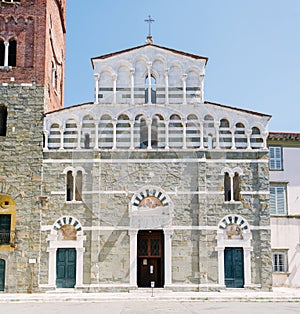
(66, 268)
(2, 274)
(150, 258)
(234, 267)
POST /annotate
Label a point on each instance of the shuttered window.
(278, 200)
(279, 262)
(275, 157)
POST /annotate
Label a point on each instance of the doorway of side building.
(150, 258)
(2, 274)
(66, 268)
(234, 267)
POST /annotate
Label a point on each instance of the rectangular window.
(275, 157)
(279, 262)
(278, 200)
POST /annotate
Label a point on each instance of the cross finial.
(149, 20)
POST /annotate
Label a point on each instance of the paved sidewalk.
(237, 295)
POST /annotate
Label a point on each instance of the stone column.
(168, 256)
(167, 134)
(184, 132)
(114, 122)
(231, 175)
(114, 89)
(132, 85)
(247, 266)
(149, 83)
(184, 88)
(6, 45)
(167, 86)
(149, 124)
(221, 272)
(202, 88)
(46, 135)
(217, 127)
(248, 134)
(133, 256)
(131, 134)
(96, 136)
(201, 134)
(233, 137)
(96, 79)
(52, 266)
(265, 137)
(79, 266)
(79, 128)
(61, 137)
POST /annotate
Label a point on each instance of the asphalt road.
(153, 307)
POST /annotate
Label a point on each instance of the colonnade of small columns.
(191, 134)
(150, 74)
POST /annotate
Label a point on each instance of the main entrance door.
(234, 267)
(150, 264)
(2, 274)
(66, 268)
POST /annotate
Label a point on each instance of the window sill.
(5, 68)
(7, 247)
(233, 202)
(74, 202)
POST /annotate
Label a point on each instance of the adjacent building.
(285, 207)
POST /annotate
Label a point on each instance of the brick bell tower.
(32, 63)
(32, 46)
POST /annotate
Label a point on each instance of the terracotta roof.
(149, 44)
(239, 109)
(284, 136)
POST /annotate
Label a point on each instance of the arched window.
(232, 184)
(74, 186)
(3, 120)
(236, 187)
(87, 141)
(143, 134)
(227, 187)
(69, 186)
(12, 53)
(153, 89)
(78, 186)
(2, 52)
(154, 133)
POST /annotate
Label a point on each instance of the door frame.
(55, 244)
(151, 235)
(244, 242)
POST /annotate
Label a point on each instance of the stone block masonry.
(21, 175)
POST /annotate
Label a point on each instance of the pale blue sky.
(253, 47)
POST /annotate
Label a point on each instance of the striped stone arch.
(148, 192)
(67, 220)
(234, 219)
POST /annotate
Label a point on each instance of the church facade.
(148, 185)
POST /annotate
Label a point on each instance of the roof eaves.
(239, 109)
(69, 107)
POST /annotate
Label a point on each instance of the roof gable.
(182, 53)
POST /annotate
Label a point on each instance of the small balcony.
(7, 238)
